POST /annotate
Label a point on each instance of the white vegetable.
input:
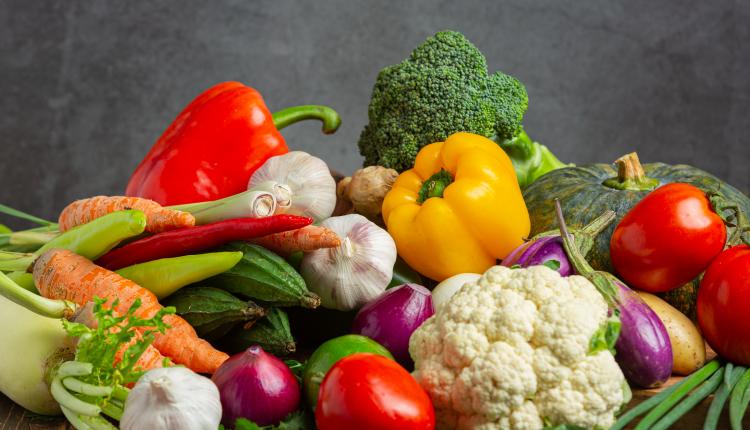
(357, 271)
(313, 189)
(446, 289)
(172, 398)
(512, 351)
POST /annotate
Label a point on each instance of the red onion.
(392, 318)
(256, 386)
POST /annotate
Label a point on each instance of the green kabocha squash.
(585, 192)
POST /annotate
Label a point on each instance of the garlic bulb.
(172, 398)
(355, 272)
(313, 189)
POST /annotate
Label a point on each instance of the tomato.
(329, 353)
(667, 239)
(723, 305)
(370, 392)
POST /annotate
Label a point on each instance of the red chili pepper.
(192, 240)
(216, 143)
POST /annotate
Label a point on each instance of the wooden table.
(14, 417)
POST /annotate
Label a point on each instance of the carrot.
(61, 274)
(303, 239)
(158, 218)
(151, 357)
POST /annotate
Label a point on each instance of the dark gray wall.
(87, 86)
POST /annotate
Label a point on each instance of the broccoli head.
(442, 88)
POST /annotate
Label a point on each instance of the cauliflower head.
(514, 351)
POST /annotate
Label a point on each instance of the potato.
(688, 348)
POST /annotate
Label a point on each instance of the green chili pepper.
(167, 275)
(95, 238)
(24, 279)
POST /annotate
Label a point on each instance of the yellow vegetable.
(459, 209)
(688, 348)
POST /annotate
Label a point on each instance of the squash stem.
(630, 175)
(38, 304)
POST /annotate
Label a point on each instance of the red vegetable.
(370, 392)
(723, 305)
(192, 240)
(215, 144)
(256, 386)
(391, 318)
(667, 239)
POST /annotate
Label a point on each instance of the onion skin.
(538, 251)
(392, 318)
(257, 386)
(644, 351)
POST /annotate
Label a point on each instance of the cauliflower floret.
(511, 351)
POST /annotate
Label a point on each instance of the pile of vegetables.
(463, 278)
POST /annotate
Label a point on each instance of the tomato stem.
(736, 219)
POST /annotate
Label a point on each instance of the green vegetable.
(90, 240)
(689, 403)
(272, 333)
(165, 276)
(212, 311)
(722, 394)
(295, 421)
(645, 406)
(328, 354)
(7, 210)
(442, 88)
(24, 279)
(403, 274)
(94, 384)
(584, 196)
(691, 382)
(739, 400)
(264, 276)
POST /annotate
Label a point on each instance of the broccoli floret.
(442, 88)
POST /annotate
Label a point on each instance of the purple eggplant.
(644, 352)
(538, 252)
(548, 247)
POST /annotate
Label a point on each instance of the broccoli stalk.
(530, 159)
(443, 88)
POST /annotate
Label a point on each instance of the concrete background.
(87, 86)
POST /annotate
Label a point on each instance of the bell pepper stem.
(329, 117)
(435, 186)
(38, 304)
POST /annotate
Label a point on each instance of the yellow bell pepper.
(458, 210)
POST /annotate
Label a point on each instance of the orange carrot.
(61, 274)
(151, 357)
(304, 239)
(158, 218)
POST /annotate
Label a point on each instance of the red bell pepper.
(216, 143)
